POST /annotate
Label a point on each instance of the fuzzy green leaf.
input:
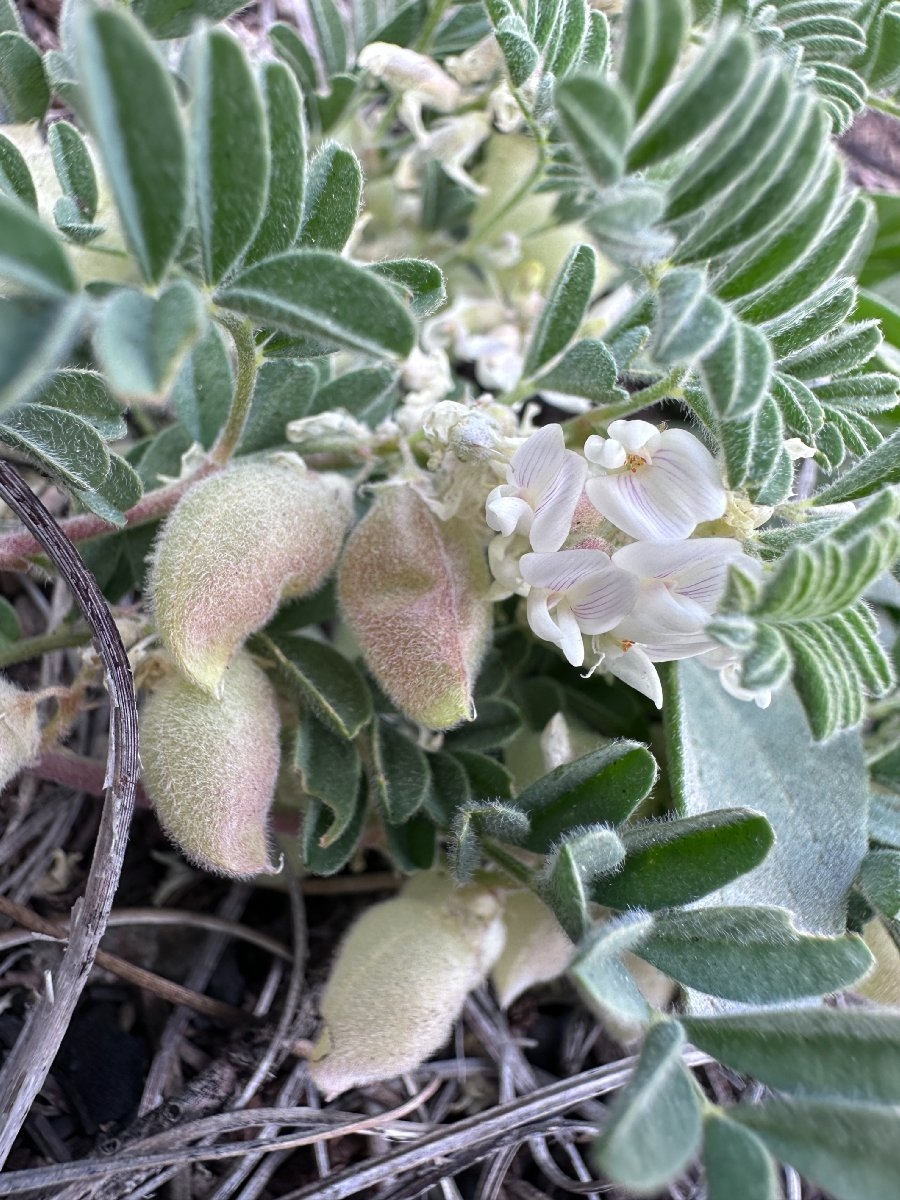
(400, 777)
(141, 342)
(689, 321)
(597, 120)
(328, 682)
(284, 392)
(587, 370)
(564, 310)
(606, 984)
(317, 293)
(177, 18)
(330, 771)
(69, 448)
(29, 253)
(24, 94)
(671, 863)
(573, 867)
(74, 168)
(879, 879)
(15, 177)
(736, 1162)
(653, 1130)
(333, 193)
(134, 116)
(34, 339)
(419, 280)
(752, 955)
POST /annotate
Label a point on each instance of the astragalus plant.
(460, 401)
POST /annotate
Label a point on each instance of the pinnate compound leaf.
(177, 18)
(603, 787)
(671, 863)
(879, 469)
(317, 293)
(736, 1162)
(24, 94)
(585, 856)
(29, 253)
(721, 72)
(141, 342)
(654, 1126)
(332, 198)
(845, 1054)
(564, 310)
(853, 1150)
(752, 955)
(230, 150)
(597, 120)
(134, 116)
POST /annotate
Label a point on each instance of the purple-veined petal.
(603, 600)
(537, 461)
(563, 570)
(562, 632)
(554, 511)
(664, 620)
(507, 513)
(626, 501)
(697, 569)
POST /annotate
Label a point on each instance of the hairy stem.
(247, 366)
(34, 647)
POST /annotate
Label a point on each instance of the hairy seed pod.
(210, 766)
(414, 591)
(537, 948)
(20, 730)
(236, 545)
(401, 978)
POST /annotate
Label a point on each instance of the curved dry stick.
(32, 1056)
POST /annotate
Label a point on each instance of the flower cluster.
(604, 545)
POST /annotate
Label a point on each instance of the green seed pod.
(210, 766)
(401, 978)
(537, 948)
(236, 545)
(414, 592)
(20, 730)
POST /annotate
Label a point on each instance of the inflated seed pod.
(20, 730)
(211, 764)
(235, 546)
(537, 948)
(414, 591)
(401, 978)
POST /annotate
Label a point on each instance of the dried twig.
(176, 993)
(30, 1060)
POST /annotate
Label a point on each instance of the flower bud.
(236, 545)
(414, 593)
(537, 948)
(20, 731)
(210, 766)
(401, 978)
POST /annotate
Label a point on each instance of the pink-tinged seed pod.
(20, 730)
(236, 546)
(414, 592)
(400, 980)
(210, 766)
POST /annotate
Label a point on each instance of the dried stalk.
(31, 1058)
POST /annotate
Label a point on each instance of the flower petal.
(571, 639)
(626, 501)
(537, 461)
(556, 507)
(633, 435)
(605, 452)
(665, 623)
(602, 601)
(563, 570)
(566, 634)
(508, 514)
(633, 667)
(696, 569)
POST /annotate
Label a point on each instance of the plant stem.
(510, 864)
(247, 366)
(34, 647)
(886, 106)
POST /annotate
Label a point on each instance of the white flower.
(575, 592)
(630, 663)
(544, 483)
(680, 585)
(419, 80)
(657, 484)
